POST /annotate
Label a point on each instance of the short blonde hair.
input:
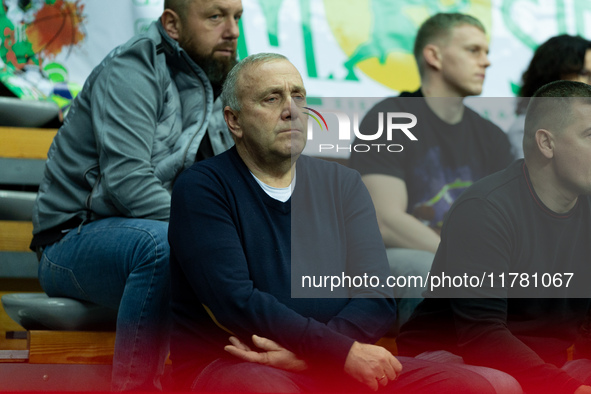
(438, 27)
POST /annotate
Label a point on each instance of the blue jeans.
(408, 262)
(122, 264)
(501, 381)
(418, 376)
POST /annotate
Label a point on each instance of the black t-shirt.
(205, 150)
(444, 160)
(497, 226)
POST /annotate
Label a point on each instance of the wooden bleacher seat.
(60, 332)
(38, 311)
(63, 349)
(23, 152)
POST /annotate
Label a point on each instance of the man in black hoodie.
(524, 230)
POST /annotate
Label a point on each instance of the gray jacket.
(134, 127)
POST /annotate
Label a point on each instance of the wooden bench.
(22, 158)
(45, 359)
(38, 359)
(23, 153)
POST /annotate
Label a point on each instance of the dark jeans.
(418, 376)
(122, 264)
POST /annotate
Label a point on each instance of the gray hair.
(551, 108)
(230, 91)
(438, 27)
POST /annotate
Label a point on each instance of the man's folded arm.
(399, 229)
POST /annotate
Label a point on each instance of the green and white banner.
(343, 48)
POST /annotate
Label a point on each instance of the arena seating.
(50, 352)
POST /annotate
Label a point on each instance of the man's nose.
(287, 111)
(485, 61)
(232, 30)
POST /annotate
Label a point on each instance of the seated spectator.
(243, 222)
(562, 57)
(100, 219)
(413, 189)
(534, 218)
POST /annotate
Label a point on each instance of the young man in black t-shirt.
(413, 189)
(532, 223)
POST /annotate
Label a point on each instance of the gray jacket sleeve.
(126, 104)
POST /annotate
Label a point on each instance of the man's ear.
(432, 56)
(171, 23)
(545, 143)
(231, 118)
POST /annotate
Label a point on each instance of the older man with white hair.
(245, 225)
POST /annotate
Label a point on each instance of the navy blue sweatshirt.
(236, 253)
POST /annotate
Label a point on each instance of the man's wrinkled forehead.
(249, 82)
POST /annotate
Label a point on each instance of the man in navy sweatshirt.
(248, 227)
